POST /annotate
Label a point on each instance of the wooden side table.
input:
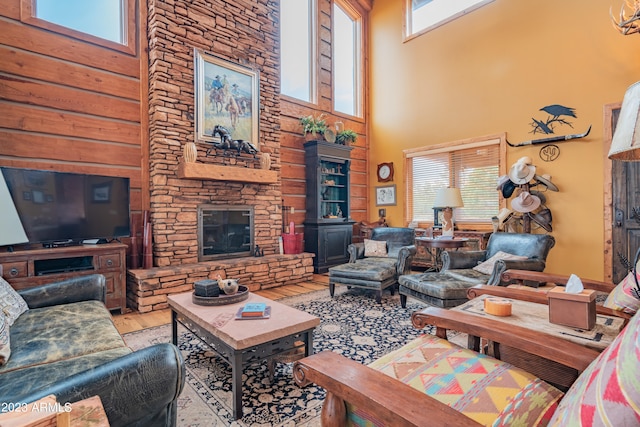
(433, 247)
(478, 239)
(535, 316)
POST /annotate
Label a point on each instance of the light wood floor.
(135, 321)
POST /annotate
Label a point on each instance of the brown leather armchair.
(448, 287)
(380, 272)
(535, 247)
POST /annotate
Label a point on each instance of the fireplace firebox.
(224, 231)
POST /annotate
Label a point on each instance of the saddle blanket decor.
(486, 390)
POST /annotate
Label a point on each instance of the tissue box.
(573, 310)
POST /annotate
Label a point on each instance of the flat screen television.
(61, 207)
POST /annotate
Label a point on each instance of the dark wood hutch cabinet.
(327, 227)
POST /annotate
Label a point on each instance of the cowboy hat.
(546, 181)
(521, 173)
(503, 216)
(525, 202)
(506, 186)
(508, 189)
(526, 160)
(540, 195)
(542, 218)
(502, 181)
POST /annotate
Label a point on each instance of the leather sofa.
(67, 345)
(376, 272)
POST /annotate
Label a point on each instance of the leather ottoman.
(370, 273)
(440, 290)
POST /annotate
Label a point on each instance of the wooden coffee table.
(243, 342)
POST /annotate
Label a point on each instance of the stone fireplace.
(176, 29)
(225, 231)
(247, 36)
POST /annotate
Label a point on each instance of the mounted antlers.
(628, 24)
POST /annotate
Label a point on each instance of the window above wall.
(347, 60)
(298, 49)
(424, 15)
(109, 23)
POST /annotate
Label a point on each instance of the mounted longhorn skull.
(628, 24)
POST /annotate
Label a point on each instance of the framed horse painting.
(227, 96)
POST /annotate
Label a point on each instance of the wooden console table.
(28, 268)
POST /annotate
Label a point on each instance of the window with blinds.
(474, 168)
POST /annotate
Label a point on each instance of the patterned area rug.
(352, 324)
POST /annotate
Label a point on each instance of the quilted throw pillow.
(487, 266)
(11, 302)
(5, 350)
(607, 393)
(622, 298)
(375, 248)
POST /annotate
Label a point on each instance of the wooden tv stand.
(32, 267)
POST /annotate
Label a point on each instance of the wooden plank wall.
(73, 106)
(292, 139)
(70, 105)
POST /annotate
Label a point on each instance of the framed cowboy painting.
(226, 95)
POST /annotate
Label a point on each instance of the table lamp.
(625, 145)
(447, 199)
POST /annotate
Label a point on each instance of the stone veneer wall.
(245, 33)
(147, 290)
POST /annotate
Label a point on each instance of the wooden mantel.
(226, 173)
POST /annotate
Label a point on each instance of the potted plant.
(346, 137)
(313, 126)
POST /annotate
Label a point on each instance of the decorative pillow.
(607, 393)
(489, 391)
(622, 297)
(487, 266)
(11, 302)
(5, 349)
(375, 248)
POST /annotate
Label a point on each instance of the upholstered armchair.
(377, 262)
(523, 252)
(464, 269)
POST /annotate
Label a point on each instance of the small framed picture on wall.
(386, 195)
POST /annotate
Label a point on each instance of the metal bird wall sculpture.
(557, 116)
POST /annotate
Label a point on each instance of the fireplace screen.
(224, 231)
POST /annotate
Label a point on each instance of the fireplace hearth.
(224, 231)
